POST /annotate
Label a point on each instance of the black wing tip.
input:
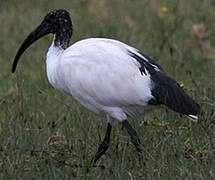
(194, 115)
(197, 113)
(168, 92)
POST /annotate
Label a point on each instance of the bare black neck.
(59, 23)
(63, 32)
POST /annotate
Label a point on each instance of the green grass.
(32, 111)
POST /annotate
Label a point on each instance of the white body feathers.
(101, 75)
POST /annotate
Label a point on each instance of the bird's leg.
(136, 141)
(133, 134)
(103, 146)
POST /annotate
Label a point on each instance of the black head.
(57, 22)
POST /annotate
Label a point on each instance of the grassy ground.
(46, 135)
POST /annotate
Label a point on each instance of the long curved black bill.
(39, 32)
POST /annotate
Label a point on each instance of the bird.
(107, 77)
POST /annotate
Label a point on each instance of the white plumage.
(101, 75)
(107, 76)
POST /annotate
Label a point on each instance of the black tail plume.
(168, 92)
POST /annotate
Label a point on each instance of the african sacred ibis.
(106, 76)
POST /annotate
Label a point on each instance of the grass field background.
(47, 135)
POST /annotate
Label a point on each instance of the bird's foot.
(101, 150)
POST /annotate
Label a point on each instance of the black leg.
(103, 146)
(133, 134)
